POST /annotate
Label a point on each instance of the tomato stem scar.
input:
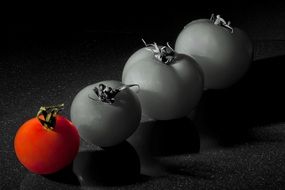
(107, 94)
(165, 54)
(49, 113)
(218, 20)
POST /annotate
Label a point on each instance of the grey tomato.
(171, 84)
(224, 56)
(102, 123)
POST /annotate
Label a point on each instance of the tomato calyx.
(107, 94)
(49, 113)
(165, 54)
(219, 21)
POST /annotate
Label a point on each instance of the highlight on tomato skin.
(44, 150)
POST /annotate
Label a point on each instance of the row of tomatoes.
(161, 82)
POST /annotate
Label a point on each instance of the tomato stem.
(107, 94)
(218, 20)
(49, 113)
(165, 54)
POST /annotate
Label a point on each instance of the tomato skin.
(245, 41)
(166, 91)
(105, 124)
(223, 56)
(45, 151)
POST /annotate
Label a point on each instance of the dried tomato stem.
(218, 20)
(165, 54)
(107, 94)
(49, 113)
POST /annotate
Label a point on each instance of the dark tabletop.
(235, 139)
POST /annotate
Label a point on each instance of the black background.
(236, 139)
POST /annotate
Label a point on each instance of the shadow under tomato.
(62, 179)
(118, 165)
(66, 176)
(164, 138)
(172, 137)
(256, 100)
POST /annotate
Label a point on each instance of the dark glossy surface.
(236, 139)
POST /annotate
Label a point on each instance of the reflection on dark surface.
(164, 138)
(256, 100)
(118, 165)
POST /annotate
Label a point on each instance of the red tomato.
(43, 148)
(171, 84)
(224, 53)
